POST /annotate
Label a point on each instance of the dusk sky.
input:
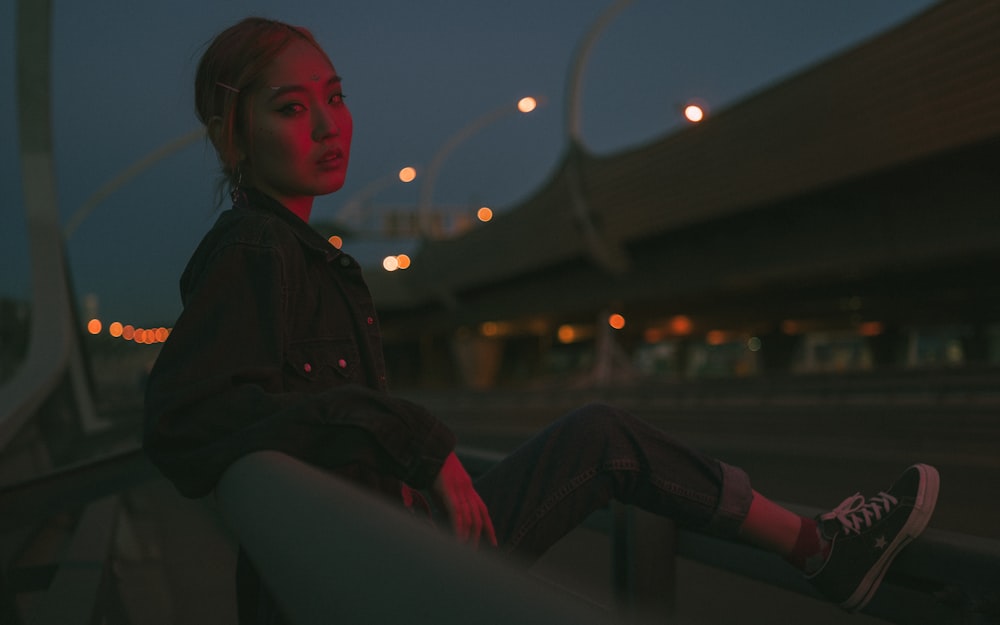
(415, 73)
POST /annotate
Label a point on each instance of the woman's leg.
(578, 464)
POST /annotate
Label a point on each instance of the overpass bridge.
(871, 176)
(863, 190)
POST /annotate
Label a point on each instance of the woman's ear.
(216, 135)
(214, 130)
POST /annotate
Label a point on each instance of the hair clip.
(225, 86)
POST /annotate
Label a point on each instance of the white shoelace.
(855, 512)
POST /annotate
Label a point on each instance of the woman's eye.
(337, 98)
(291, 108)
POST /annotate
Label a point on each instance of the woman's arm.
(217, 391)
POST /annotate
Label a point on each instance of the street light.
(695, 112)
(523, 106)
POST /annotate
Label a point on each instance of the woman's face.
(299, 129)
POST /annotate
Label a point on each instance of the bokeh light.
(694, 113)
(407, 174)
(681, 325)
(527, 104)
(566, 334)
(128, 332)
(616, 321)
(484, 214)
(871, 328)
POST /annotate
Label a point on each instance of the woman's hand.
(454, 491)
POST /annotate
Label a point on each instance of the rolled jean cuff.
(734, 501)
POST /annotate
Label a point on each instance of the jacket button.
(307, 367)
(341, 363)
(345, 261)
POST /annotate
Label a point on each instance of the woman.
(278, 348)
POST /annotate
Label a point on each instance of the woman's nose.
(325, 124)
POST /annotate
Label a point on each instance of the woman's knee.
(597, 418)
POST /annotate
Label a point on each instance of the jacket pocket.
(317, 365)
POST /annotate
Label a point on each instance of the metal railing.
(365, 560)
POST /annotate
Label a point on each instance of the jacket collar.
(249, 198)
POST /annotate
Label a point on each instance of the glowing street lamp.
(407, 174)
(694, 112)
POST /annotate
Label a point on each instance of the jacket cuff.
(430, 457)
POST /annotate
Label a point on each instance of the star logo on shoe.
(880, 542)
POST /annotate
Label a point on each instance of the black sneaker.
(867, 535)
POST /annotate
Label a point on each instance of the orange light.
(616, 321)
(681, 325)
(485, 214)
(527, 104)
(161, 334)
(94, 326)
(336, 241)
(489, 328)
(694, 113)
(403, 261)
(115, 329)
(715, 337)
(407, 174)
(791, 327)
(566, 334)
(871, 328)
(128, 333)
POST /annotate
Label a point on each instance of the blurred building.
(845, 219)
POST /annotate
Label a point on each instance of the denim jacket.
(278, 347)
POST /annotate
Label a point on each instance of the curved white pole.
(434, 168)
(53, 346)
(607, 253)
(574, 86)
(131, 172)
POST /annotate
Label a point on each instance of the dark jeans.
(549, 485)
(579, 463)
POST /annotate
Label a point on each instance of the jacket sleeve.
(216, 391)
